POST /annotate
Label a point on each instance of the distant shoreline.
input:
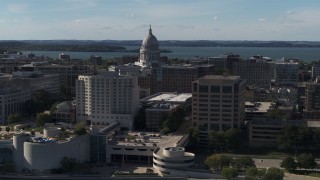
(118, 45)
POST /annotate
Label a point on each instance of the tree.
(299, 137)
(39, 102)
(233, 139)
(43, 118)
(194, 133)
(217, 161)
(14, 118)
(289, 164)
(8, 129)
(229, 173)
(216, 139)
(140, 120)
(174, 119)
(288, 138)
(80, 128)
(71, 165)
(251, 173)
(316, 138)
(8, 168)
(165, 130)
(306, 161)
(273, 174)
(243, 163)
(276, 114)
(68, 164)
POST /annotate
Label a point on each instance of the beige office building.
(217, 104)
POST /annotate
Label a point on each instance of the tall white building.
(106, 98)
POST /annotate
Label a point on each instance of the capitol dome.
(149, 51)
(150, 42)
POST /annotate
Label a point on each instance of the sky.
(293, 20)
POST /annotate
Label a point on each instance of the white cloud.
(215, 18)
(77, 20)
(17, 8)
(132, 15)
(262, 20)
(289, 12)
(186, 26)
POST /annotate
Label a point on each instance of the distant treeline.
(115, 45)
(88, 47)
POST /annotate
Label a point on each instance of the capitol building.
(149, 51)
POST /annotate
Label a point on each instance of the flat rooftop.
(258, 106)
(146, 139)
(216, 77)
(167, 97)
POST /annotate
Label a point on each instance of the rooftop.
(220, 77)
(258, 106)
(147, 139)
(168, 97)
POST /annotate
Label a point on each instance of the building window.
(227, 89)
(203, 89)
(214, 127)
(215, 89)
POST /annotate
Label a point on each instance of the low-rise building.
(64, 112)
(35, 81)
(264, 132)
(156, 114)
(41, 155)
(172, 160)
(12, 101)
(159, 105)
(140, 148)
(257, 110)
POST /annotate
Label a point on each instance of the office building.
(159, 105)
(315, 70)
(265, 132)
(313, 96)
(67, 75)
(224, 62)
(12, 100)
(106, 98)
(157, 113)
(256, 73)
(287, 73)
(96, 60)
(35, 81)
(179, 78)
(218, 104)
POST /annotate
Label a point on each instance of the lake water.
(305, 54)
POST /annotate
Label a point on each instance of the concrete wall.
(45, 156)
(18, 158)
